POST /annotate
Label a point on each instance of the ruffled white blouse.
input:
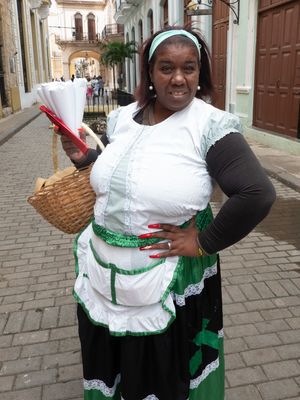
(146, 175)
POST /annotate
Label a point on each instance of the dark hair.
(143, 94)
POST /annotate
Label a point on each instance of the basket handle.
(93, 135)
(87, 130)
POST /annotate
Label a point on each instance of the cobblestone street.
(39, 347)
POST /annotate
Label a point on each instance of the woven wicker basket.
(67, 204)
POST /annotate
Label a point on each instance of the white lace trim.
(100, 385)
(195, 288)
(151, 397)
(194, 383)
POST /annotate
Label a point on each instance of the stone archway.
(70, 52)
(85, 64)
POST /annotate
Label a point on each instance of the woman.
(148, 278)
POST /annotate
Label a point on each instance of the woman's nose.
(178, 77)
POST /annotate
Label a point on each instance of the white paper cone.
(80, 87)
(67, 100)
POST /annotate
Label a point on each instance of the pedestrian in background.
(101, 85)
(148, 281)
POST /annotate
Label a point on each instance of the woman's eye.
(190, 69)
(166, 69)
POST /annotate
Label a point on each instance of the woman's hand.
(181, 241)
(70, 149)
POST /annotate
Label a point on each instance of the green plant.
(114, 55)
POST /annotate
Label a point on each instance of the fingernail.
(145, 248)
(154, 226)
(145, 236)
(155, 256)
(80, 130)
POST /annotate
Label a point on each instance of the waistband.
(203, 218)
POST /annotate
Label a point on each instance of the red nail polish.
(155, 256)
(154, 226)
(80, 130)
(145, 248)
(145, 236)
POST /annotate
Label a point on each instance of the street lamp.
(194, 8)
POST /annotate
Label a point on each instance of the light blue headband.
(166, 34)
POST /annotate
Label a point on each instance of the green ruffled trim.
(118, 239)
(113, 333)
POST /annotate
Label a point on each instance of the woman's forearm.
(250, 193)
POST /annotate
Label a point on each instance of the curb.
(282, 175)
(11, 132)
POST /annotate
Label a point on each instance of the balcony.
(78, 40)
(124, 8)
(113, 31)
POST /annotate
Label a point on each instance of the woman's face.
(175, 76)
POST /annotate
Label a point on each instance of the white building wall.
(30, 97)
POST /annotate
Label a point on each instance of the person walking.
(148, 281)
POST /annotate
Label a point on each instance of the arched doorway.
(84, 64)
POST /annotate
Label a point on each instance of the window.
(165, 13)
(150, 22)
(78, 26)
(91, 27)
(140, 31)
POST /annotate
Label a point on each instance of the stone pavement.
(39, 347)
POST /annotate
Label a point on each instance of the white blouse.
(146, 175)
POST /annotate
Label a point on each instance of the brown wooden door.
(91, 27)
(277, 75)
(78, 27)
(219, 52)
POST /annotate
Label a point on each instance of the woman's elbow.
(268, 198)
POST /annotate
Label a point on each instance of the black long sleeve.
(235, 168)
(91, 155)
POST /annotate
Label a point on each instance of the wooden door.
(78, 27)
(219, 52)
(277, 75)
(91, 27)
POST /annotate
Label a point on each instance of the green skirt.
(186, 361)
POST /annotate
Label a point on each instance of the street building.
(255, 57)
(24, 52)
(77, 30)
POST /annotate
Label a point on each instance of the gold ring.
(169, 245)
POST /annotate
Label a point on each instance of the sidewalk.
(15, 122)
(278, 164)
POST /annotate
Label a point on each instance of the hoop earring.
(151, 87)
(198, 88)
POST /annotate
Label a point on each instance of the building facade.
(24, 52)
(255, 48)
(77, 30)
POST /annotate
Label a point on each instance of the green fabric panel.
(193, 271)
(212, 387)
(203, 337)
(112, 286)
(207, 337)
(95, 394)
(195, 362)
